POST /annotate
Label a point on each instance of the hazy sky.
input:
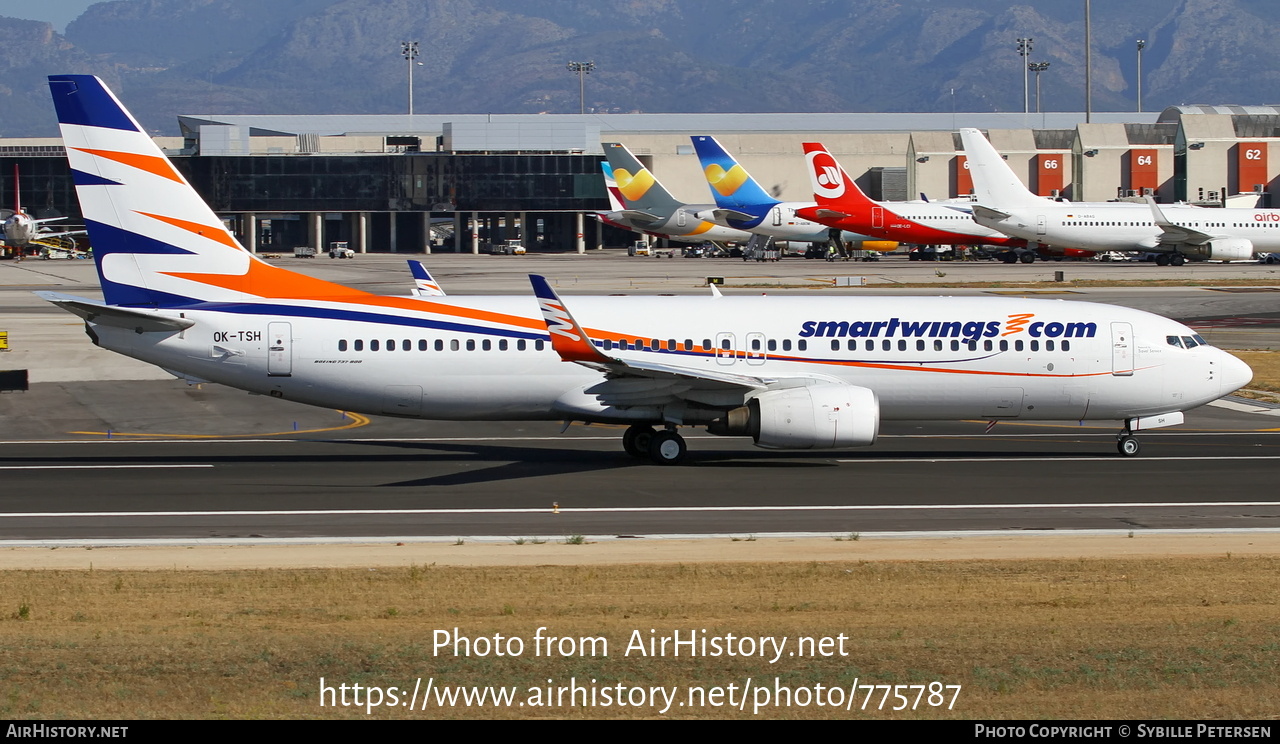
(57, 12)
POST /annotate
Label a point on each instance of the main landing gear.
(664, 447)
(1126, 443)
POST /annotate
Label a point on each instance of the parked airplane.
(649, 208)
(1179, 233)
(840, 203)
(790, 372)
(22, 230)
(743, 204)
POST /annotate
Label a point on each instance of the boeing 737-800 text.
(790, 372)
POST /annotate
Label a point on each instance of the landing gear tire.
(1128, 446)
(636, 440)
(1177, 259)
(667, 447)
(1162, 259)
(1009, 257)
(1027, 257)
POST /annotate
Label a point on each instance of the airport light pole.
(583, 69)
(1142, 44)
(1088, 63)
(1037, 68)
(409, 49)
(1024, 49)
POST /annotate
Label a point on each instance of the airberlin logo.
(827, 181)
(969, 330)
(1267, 217)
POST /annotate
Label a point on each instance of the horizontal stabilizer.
(987, 213)
(143, 321)
(832, 214)
(723, 215)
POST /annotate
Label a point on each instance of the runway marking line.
(98, 467)
(357, 421)
(640, 509)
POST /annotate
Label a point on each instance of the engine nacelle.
(814, 417)
(1222, 249)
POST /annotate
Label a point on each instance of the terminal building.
(434, 182)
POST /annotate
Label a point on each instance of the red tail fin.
(832, 187)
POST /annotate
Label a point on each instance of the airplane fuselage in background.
(1126, 226)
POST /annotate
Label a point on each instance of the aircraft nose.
(1233, 373)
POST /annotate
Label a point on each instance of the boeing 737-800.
(1178, 232)
(789, 372)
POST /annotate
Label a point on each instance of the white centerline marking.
(639, 509)
(99, 467)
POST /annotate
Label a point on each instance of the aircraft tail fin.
(155, 241)
(832, 187)
(994, 182)
(637, 187)
(731, 185)
(423, 284)
(611, 187)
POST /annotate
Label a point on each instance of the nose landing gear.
(1126, 443)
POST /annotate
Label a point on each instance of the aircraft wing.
(120, 317)
(571, 342)
(1171, 233)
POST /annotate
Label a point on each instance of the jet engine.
(1222, 249)
(815, 417)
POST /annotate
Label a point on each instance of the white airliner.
(1179, 233)
(790, 372)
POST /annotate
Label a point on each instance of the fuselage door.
(725, 353)
(756, 353)
(777, 216)
(1121, 349)
(1041, 224)
(681, 218)
(877, 217)
(279, 350)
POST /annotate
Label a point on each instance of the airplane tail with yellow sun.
(731, 185)
(640, 190)
(155, 241)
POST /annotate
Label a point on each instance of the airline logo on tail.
(633, 186)
(726, 182)
(729, 180)
(828, 179)
(567, 337)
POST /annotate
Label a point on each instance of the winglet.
(423, 284)
(567, 337)
(1158, 215)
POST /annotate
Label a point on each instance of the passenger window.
(671, 344)
(773, 344)
(502, 345)
(835, 345)
(406, 345)
(486, 344)
(1017, 345)
(706, 344)
(987, 345)
(608, 345)
(439, 344)
(471, 344)
(755, 344)
(1035, 346)
(955, 345)
(1004, 344)
(920, 345)
(342, 345)
(520, 345)
(1066, 346)
(902, 344)
(359, 344)
(802, 345)
(453, 345)
(853, 345)
(391, 345)
(422, 344)
(786, 344)
(886, 344)
(373, 345)
(937, 344)
(537, 345)
(1048, 345)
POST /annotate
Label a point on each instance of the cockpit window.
(1174, 341)
(1189, 342)
(1200, 340)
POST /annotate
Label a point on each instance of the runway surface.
(468, 480)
